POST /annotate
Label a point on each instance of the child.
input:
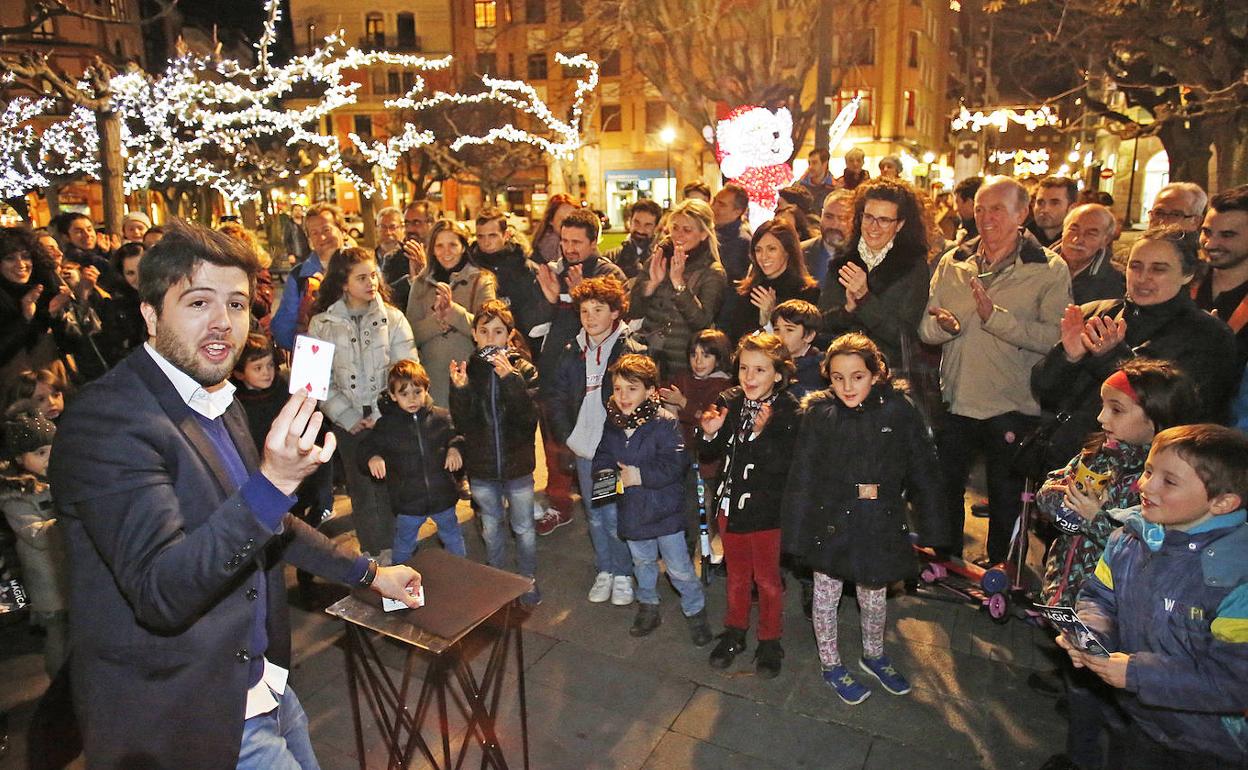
(644, 443)
(752, 426)
(44, 390)
(688, 395)
(1138, 400)
(796, 322)
(493, 404)
(258, 386)
(1169, 597)
(862, 451)
(27, 502)
(578, 411)
(415, 449)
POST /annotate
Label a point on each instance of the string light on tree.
(1029, 118)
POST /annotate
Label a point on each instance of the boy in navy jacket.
(642, 444)
(1170, 597)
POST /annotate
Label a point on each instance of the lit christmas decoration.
(753, 145)
(19, 146)
(1029, 118)
(1025, 161)
(844, 119)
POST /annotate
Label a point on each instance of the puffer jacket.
(827, 522)
(363, 356)
(28, 508)
(414, 447)
(656, 507)
(1177, 603)
(670, 319)
(470, 288)
(497, 418)
(1082, 550)
(755, 468)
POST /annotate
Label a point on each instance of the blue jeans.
(610, 552)
(279, 739)
(407, 534)
(675, 555)
(519, 500)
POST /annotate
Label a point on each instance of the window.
(863, 116)
(312, 41)
(375, 30)
(914, 49)
(656, 117)
(392, 83)
(856, 48)
(537, 66)
(610, 117)
(571, 10)
(535, 11)
(610, 66)
(43, 31)
(485, 14)
(487, 63)
(910, 109)
(363, 125)
(407, 31)
(409, 81)
(379, 81)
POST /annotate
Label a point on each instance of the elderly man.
(836, 221)
(1181, 204)
(995, 307)
(1087, 235)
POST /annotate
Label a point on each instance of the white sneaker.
(622, 590)
(601, 590)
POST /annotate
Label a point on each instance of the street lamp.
(667, 136)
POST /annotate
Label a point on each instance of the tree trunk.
(1230, 136)
(368, 207)
(112, 167)
(1187, 150)
(53, 196)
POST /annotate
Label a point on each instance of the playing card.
(390, 605)
(309, 371)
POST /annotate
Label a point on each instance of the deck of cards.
(390, 605)
(311, 366)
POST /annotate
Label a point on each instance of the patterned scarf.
(749, 411)
(644, 412)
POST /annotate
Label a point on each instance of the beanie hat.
(25, 432)
(137, 216)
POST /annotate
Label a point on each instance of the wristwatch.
(370, 574)
(680, 289)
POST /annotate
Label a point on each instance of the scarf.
(644, 412)
(442, 274)
(870, 257)
(749, 411)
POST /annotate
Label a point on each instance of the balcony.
(411, 44)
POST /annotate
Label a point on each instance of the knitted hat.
(25, 432)
(137, 216)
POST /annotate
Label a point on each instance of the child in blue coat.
(642, 444)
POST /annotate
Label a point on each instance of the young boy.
(643, 443)
(796, 322)
(26, 500)
(578, 410)
(414, 449)
(493, 405)
(1170, 597)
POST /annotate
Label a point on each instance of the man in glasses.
(1181, 204)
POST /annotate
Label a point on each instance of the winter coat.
(1175, 330)
(363, 356)
(890, 313)
(122, 328)
(567, 393)
(809, 376)
(1099, 280)
(629, 255)
(755, 468)
(1177, 603)
(286, 322)
(565, 322)
(670, 319)
(828, 523)
(744, 319)
(1124, 463)
(414, 447)
(497, 418)
(262, 407)
(470, 288)
(516, 284)
(28, 508)
(656, 507)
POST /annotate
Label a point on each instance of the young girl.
(42, 390)
(862, 451)
(752, 426)
(1139, 400)
(688, 396)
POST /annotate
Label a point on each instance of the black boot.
(767, 658)
(699, 631)
(647, 620)
(731, 644)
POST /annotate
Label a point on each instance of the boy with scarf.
(578, 410)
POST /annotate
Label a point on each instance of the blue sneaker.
(847, 688)
(882, 669)
(532, 598)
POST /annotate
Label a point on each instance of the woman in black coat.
(777, 273)
(31, 302)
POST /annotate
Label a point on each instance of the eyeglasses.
(873, 221)
(1167, 214)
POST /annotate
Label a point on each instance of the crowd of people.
(814, 393)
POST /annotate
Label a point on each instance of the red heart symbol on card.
(316, 348)
(308, 387)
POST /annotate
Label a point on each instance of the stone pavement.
(599, 698)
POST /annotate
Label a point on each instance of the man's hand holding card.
(290, 450)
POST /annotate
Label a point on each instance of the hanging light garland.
(1029, 118)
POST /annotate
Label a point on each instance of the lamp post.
(667, 136)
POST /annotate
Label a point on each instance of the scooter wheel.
(998, 608)
(995, 581)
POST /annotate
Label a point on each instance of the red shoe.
(551, 520)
